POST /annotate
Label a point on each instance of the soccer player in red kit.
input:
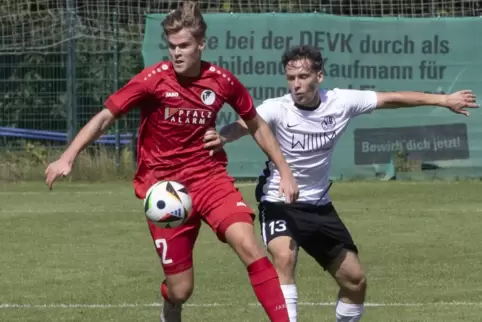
(179, 101)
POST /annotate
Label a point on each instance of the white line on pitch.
(140, 305)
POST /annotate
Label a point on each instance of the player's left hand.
(288, 187)
(214, 141)
(457, 102)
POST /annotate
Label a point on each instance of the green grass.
(28, 161)
(88, 244)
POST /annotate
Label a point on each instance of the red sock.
(265, 282)
(164, 292)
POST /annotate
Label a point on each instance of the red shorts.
(218, 203)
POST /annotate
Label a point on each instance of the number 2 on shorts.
(162, 245)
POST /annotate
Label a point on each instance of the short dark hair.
(303, 52)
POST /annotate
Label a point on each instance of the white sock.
(291, 297)
(348, 312)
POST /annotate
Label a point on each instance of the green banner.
(432, 55)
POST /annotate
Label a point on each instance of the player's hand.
(56, 169)
(458, 102)
(213, 141)
(288, 187)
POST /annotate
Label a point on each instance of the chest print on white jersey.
(312, 142)
(321, 137)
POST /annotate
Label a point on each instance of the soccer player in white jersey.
(308, 123)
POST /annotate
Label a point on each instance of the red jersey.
(175, 115)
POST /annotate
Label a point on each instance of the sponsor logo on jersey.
(187, 116)
(312, 142)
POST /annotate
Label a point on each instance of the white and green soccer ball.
(167, 204)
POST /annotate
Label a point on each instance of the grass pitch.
(82, 252)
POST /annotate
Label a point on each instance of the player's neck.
(192, 73)
(310, 106)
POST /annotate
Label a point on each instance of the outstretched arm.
(457, 102)
(120, 102)
(88, 134)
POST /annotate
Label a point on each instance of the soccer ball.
(167, 204)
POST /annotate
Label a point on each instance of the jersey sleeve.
(129, 96)
(359, 102)
(269, 112)
(241, 101)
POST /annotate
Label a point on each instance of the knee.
(180, 292)
(355, 283)
(284, 262)
(240, 237)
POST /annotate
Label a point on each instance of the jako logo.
(172, 94)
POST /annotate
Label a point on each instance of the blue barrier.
(125, 138)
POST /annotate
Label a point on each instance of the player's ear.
(202, 44)
(320, 76)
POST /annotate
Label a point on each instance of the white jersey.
(307, 139)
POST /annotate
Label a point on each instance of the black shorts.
(317, 229)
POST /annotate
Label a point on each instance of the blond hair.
(187, 16)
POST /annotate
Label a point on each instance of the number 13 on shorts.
(273, 229)
(277, 226)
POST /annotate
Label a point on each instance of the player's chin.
(180, 68)
(301, 100)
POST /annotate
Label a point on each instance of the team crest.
(328, 123)
(208, 97)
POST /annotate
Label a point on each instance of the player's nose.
(297, 83)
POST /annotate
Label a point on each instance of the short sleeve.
(269, 112)
(241, 101)
(359, 102)
(128, 97)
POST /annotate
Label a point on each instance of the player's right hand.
(288, 187)
(214, 141)
(56, 169)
